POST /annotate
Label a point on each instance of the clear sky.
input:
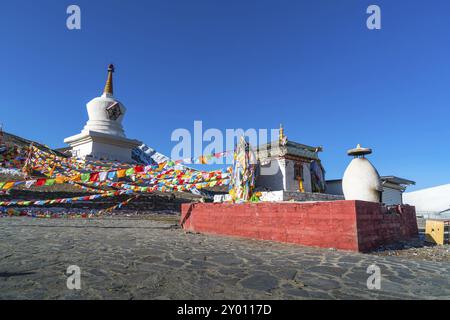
(312, 65)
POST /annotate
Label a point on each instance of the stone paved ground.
(148, 259)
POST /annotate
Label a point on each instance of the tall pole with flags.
(2, 142)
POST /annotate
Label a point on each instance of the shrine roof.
(288, 148)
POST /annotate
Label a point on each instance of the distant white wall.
(391, 196)
(334, 187)
(431, 200)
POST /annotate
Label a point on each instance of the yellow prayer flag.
(8, 185)
(60, 179)
(121, 173)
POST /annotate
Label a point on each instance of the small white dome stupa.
(361, 180)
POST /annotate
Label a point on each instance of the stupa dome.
(361, 180)
(105, 112)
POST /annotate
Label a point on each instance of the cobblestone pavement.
(145, 259)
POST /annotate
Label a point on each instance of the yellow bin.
(434, 231)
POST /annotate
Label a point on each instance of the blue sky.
(311, 65)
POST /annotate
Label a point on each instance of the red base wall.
(348, 225)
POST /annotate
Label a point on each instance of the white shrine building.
(103, 136)
(289, 166)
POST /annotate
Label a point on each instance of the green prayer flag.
(50, 182)
(85, 177)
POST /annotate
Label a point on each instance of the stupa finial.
(359, 151)
(109, 82)
(281, 133)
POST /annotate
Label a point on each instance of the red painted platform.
(348, 225)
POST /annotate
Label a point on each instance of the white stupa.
(361, 180)
(103, 136)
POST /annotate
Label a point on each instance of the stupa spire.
(109, 82)
(281, 133)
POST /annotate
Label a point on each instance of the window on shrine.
(298, 171)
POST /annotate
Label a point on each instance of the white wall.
(290, 184)
(334, 187)
(391, 196)
(431, 200)
(284, 179)
(101, 150)
(307, 183)
(273, 182)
